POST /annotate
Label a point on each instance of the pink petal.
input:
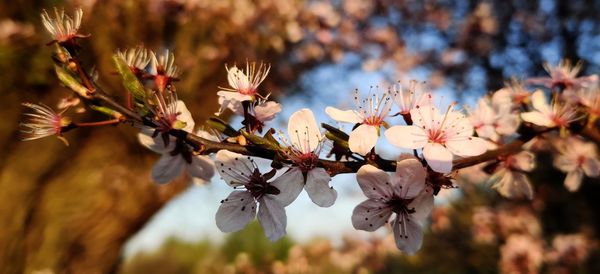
(317, 187)
(370, 215)
(470, 146)
(573, 180)
(363, 139)
(236, 211)
(409, 178)
(591, 167)
(537, 118)
(438, 157)
(234, 168)
(167, 168)
(512, 184)
(410, 137)
(422, 204)
(290, 184)
(408, 235)
(201, 167)
(267, 111)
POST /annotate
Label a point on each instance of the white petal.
(317, 187)
(363, 139)
(470, 146)
(267, 111)
(591, 167)
(272, 218)
(537, 118)
(408, 235)
(155, 144)
(508, 124)
(346, 116)
(236, 211)
(438, 157)
(303, 131)
(512, 184)
(409, 179)
(422, 204)
(573, 180)
(539, 102)
(374, 182)
(201, 167)
(410, 137)
(206, 135)
(185, 116)
(233, 167)
(290, 184)
(167, 168)
(237, 78)
(565, 163)
(524, 161)
(487, 131)
(370, 215)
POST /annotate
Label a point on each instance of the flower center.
(373, 121)
(306, 161)
(436, 136)
(258, 185)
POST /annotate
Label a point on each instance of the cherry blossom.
(521, 254)
(440, 136)
(510, 97)
(306, 140)
(43, 122)
(136, 58)
(257, 113)
(253, 188)
(163, 69)
(564, 75)
(404, 193)
(408, 97)
(243, 85)
(62, 27)
(590, 99)
(370, 115)
(577, 158)
(509, 178)
(556, 115)
(490, 122)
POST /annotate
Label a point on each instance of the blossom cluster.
(400, 191)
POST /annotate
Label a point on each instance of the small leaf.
(222, 126)
(257, 140)
(68, 80)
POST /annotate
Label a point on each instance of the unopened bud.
(240, 139)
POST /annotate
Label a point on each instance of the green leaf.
(130, 81)
(68, 80)
(257, 140)
(222, 126)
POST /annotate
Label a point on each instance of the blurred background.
(91, 207)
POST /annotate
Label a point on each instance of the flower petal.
(374, 182)
(303, 131)
(573, 180)
(524, 161)
(201, 167)
(537, 118)
(272, 218)
(422, 205)
(234, 168)
(370, 215)
(346, 116)
(438, 157)
(317, 187)
(470, 146)
(267, 111)
(236, 211)
(410, 137)
(512, 184)
(155, 144)
(591, 167)
(363, 139)
(539, 102)
(409, 179)
(185, 116)
(167, 168)
(290, 184)
(408, 235)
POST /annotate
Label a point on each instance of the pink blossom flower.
(239, 208)
(440, 136)
(577, 158)
(564, 75)
(546, 115)
(510, 97)
(509, 178)
(570, 249)
(306, 140)
(43, 122)
(490, 122)
(521, 254)
(370, 114)
(404, 194)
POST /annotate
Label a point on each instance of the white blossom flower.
(440, 136)
(572, 249)
(557, 115)
(577, 158)
(564, 75)
(306, 140)
(243, 85)
(490, 122)
(590, 99)
(62, 27)
(176, 156)
(370, 114)
(43, 122)
(239, 208)
(509, 178)
(137, 58)
(258, 112)
(163, 69)
(403, 193)
(510, 97)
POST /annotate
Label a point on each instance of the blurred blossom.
(509, 178)
(62, 27)
(577, 158)
(440, 219)
(483, 229)
(590, 99)
(10, 29)
(517, 219)
(555, 114)
(359, 9)
(43, 122)
(325, 11)
(564, 76)
(490, 122)
(521, 254)
(570, 249)
(512, 96)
